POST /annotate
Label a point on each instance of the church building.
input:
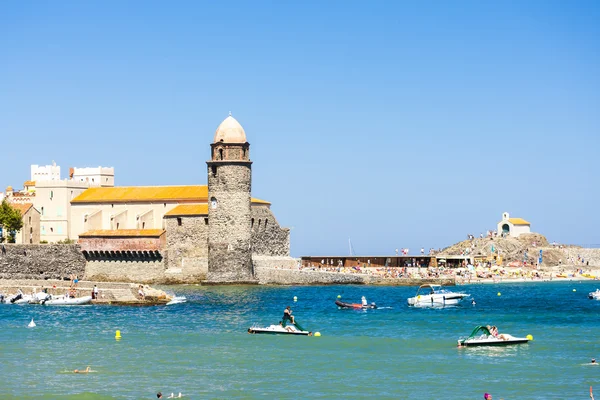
(513, 227)
(215, 233)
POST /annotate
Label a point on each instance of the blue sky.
(396, 124)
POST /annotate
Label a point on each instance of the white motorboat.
(481, 336)
(38, 298)
(594, 295)
(291, 329)
(435, 296)
(67, 301)
(19, 298)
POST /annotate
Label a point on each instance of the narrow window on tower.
(214, 170)
(252, 223)
(213, 202)
(220, 154)
(266, 220)
(205, 221)
(179, 221)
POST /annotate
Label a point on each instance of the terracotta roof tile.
(127, 194)
(518, 221)
(188, 209)
(22, 207)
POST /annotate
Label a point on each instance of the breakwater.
(283, 276)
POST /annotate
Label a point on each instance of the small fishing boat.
(67, 301)
(594, 295)
(356, 306)
(481, 336)
(435, 296)
(281, 329)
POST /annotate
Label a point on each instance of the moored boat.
(355, 306)
(435, 296)
(67, 301)
(481, 336)
(594, 295)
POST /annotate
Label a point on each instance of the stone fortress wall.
(41, 261)
(186, 252)
(268, 238)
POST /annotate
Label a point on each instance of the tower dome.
(230, 131)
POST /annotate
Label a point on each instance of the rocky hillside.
(513, 249)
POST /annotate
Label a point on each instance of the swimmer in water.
(84, 371)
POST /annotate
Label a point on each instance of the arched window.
(220, 154)
(213, 202)
(42, 210)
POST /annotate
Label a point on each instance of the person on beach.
(141, 292)
(287, 315)
(85, 371)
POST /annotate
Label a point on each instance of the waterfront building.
(513, 227)
(188, 233)
(52, 196)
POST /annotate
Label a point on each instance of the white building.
(513, 227)
(95, 176)
(52, 197)
(44, 173)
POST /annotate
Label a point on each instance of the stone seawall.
(126, 271)
(276, 276)
(41, 261)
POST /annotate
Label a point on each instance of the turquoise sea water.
(201, 348)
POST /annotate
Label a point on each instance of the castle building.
(216, 233)
(513, 227)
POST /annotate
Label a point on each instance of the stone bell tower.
(229, 215)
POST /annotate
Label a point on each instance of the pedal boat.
(280, 329)
(435, 296)
(481, 336)
(594, 295)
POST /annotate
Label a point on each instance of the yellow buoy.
(317, 333)
(339, 296)
(529, 337)
(499, 294)
(118, 335)
(574, 290)
(295, 298)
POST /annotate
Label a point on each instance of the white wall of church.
(138, 215)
